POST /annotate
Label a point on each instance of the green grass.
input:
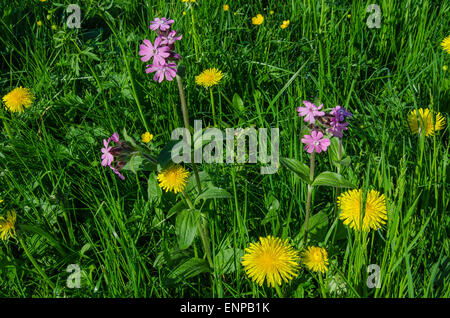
(90, 82)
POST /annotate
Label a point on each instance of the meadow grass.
(90, 82)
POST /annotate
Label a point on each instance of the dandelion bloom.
(444, 68)
(315, 142)
(258, 20)
(18, 99)
(226, 7)
(8, 225)
(285, 24)
(271, 12)
(161, 24)
(271, 259)
(39, 23)
(209, 77)
(446, 44)
(146, 137)
(165, 70)
(422, 122)
(315, 259)
(310, 111)
(173, 178)
(157, 52)
(374, 215)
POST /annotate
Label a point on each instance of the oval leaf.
(332, 179)
(297, 167)
(186, 227)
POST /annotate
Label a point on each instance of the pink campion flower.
(108, 154)
(315, 142)
(170, 38)
(337, 127)
(114, 137)
(340, 113)
(167, 70)
(310, 111)
(107, 157)
(162, 24)
(157, 52)
(117, 173)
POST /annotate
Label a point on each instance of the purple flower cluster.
(162, 51)
(120, 153)
(334, 124)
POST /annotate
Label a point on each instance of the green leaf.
(297, 167)
(317, 228)
(186, 227)
(238, 103)
(153, 189)
(334, 150)
(332, 179)
(49, 237)
(228, 260)
(134, 164)
(165, 156)
(127, 138)
(213, 193)
(344, 162)
(191, 268)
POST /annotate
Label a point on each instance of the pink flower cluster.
(121, 152)
(162, 51)
(334, 124)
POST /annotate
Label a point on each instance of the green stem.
(35, 264)
(6, 125)
(186, 124)
(279, 293)
(308, 201)
(213, 108)
(322, 287)
(194, 33)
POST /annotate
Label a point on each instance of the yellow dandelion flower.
(270, 259)
(226, 7)
(315, 259)
(1, 201)
(422, 122)
(444, 68)
(446, 44)
(349, 16)
(184, 13)
(173, 178)
(39, 23)
(8, 225)
(18, 99)
(209, 77)
(146, 137)
(188, 1)
(285, 24)
(271, 12)
(258, 20)
(374, 215)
